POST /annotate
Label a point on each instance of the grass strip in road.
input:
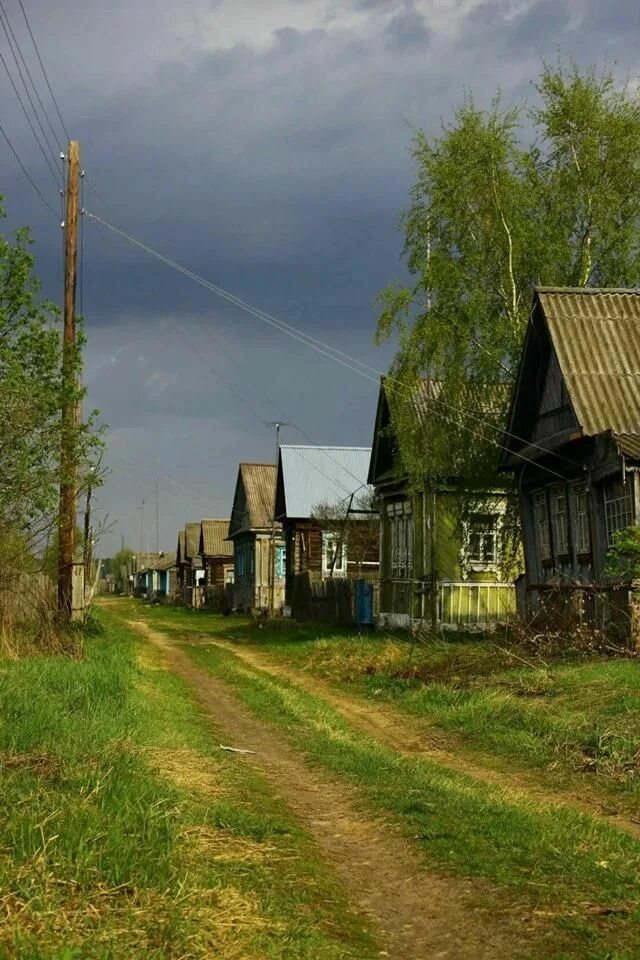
(576, 721)
(124, 833)
(563, 864)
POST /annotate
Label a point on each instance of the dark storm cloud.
(263, 146)
(407, 29)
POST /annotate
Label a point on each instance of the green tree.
(490, 216)
(30, 384)
(119, 567)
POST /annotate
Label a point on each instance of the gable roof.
(477, 402)
(213, 539)
(310, 476)
(254, 498)
(594, 335)
(191, 540)
(157, 561)
(180, 558)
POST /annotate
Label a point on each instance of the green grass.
(125, 834)
(556, 860)
(561, 718)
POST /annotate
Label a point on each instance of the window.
(280, 560)
(560, 522)
(581, 512)
(542, 524)
(482, 538)
(244, 560)
(334, 556)
(400, 526)
(618, 506)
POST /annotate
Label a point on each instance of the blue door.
(364, 603)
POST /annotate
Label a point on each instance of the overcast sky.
(264, 145)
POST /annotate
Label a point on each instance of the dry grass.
(188, 769)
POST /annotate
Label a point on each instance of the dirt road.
(418, 914)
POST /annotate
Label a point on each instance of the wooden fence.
(335, 600)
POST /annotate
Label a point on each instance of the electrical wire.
(31, 80)
(28, 118)
(44, 72)
(26, 172)
(350, 363)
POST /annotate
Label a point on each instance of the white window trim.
(467, 563)
(338, 570)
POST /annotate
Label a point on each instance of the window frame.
(615, 513)
(339, 568)
(478, 562)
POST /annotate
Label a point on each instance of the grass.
(124, 834)
(562, 718)
(558, 861)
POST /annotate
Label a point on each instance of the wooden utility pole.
(68, 451)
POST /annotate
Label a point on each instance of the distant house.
(189, 564)
(216, 552)
(155, 577)
(181, 566)
(217, 559)
(573, 436)
(257, 540)
(438, 565)
(334, 478)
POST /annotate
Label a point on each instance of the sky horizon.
(264, 146)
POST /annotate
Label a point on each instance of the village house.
(321, 495)
(259, 555)
(189, 565)
(217, 560)
(155, 577)
(439, 564)
(573, 435)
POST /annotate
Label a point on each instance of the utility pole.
(272, 542)
(68, 450)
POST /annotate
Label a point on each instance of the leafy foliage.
(623, 558)
(489, 218)
(30, 394)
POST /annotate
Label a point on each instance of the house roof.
(155, 561)
(213, 542)
(593, 335)
(191, 540)
(180, 558)
(254, 498)
(596, 336)
(311, 476)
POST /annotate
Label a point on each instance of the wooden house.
(439, 564)
(216, 552)
(217, 559)
(189, 565)
(573, 435)
(318, 541)
(155, 577)
(257, 540)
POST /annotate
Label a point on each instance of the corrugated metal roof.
(596, 336)
(213, 541)
(191, 540)
(259, 481)
(629, 445)
(156, 561)
(323, 475)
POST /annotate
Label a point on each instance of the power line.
(44, 72)
(28, 118)
(350, 363)
(31, 80)
(26, 172)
